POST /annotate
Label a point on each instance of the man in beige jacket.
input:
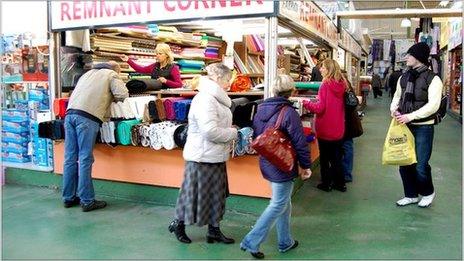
(87, 107)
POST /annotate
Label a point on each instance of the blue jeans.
(417, 178)
(277, 212)
(347, 162)
(80, 136)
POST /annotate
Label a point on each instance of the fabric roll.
(169, 107)
(308, 85)
(243, 114)
(155, 139)
(127, 110)
(160, 109)
(194, 64)
(243, 142)
(153, 112)
(180, 135)
(238, 101)
(145, 135)
(142, 85)
(139, 104)
(167, 137)
(181, 109)
(111, 132)
(123, 131)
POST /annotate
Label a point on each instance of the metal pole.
(54, 70)
(270, 55)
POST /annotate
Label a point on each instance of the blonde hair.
(283, 85)
(165, 49)
(333, 70)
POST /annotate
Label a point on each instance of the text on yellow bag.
(399, 147)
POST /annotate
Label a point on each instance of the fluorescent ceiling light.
(443, 3)
(457, 5)
(405, 22)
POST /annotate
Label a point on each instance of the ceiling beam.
(403, 13)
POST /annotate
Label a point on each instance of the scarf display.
(408, 95)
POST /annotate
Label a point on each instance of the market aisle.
(361, 223)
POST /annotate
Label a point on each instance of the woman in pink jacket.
(330, 126)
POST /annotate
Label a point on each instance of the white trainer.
(406, 201)
(426, 201)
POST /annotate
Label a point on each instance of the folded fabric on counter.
(169, 107)
(243, 142)
(143, 85)
(181, 109)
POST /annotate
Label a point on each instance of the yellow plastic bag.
(399, 147)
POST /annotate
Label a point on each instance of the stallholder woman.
(164, 70)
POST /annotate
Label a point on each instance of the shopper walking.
(415, 103)
(347, 146)
(279, 209)
(393, 81)
(330, 126)
(202, 196)
(87, 107)
(164, 70)
(376, 85)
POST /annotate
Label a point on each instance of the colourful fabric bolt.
(123, 131)
(169, 107)
(181, 109)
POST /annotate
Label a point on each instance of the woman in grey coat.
(204, 190)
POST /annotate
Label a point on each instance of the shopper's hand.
(305, 174)
(162, 79)
(124, 58)
(395, 113)
(402, 118)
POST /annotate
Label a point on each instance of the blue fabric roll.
(181, 109)
(193, 64)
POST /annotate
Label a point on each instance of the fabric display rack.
(455, 81)
(25, 102)
(156, 128)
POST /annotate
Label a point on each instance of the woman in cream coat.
(204, 190)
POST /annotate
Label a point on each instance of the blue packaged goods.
(15, 127)
(15, 148)
(15, 115)
(15, 157)
(18, 138)
(38, 95)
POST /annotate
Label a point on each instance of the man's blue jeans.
(277, 212)
(80, 136)
(417, 178)
(347, 162)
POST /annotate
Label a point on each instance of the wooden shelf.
(255, 53)
(188, 92)
(252, 74)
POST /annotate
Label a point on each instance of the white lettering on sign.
(72, 14)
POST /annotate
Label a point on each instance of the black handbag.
(350, 99)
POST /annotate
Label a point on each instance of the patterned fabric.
(202, 197)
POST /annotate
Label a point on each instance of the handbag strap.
(280, 117)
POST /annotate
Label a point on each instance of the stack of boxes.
(41, 149)
(20, 137)
(15, 136)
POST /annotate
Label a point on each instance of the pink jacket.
(329, 110)
(174, 82)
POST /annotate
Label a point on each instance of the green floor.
(363, 223)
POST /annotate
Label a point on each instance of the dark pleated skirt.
(202, 197)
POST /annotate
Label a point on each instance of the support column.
(54, 70)
(270, 55)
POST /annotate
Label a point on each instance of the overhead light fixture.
(443, 3)
(405, 22)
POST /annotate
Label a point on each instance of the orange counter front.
(165, 168)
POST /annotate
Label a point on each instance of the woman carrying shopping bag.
(278, 211)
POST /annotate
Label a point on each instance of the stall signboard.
(455, 33)
(348, 43)
(309, 16)
(84, 14)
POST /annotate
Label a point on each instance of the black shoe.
(96, 204)
(295, 245)
(324, 187)
(257, 255)
(68, 204)
(178, 227)
(215, 234)
(341, 188)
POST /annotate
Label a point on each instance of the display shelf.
(252, 74)
(27, 165)
(19, 82)
(188, 92)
